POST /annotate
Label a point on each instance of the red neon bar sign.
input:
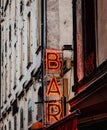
(53, 66)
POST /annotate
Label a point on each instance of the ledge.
(93, 76)
(98, 85)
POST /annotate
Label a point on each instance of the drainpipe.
(45, 24)
(0, 58)
(43, 43)
(75, 45)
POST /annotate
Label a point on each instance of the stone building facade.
(19, 43)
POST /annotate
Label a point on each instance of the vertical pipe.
(45, 24)
(0, 60)
(43, 44)
(75, 44)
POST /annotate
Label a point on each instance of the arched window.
(29, 112)
(21, 119)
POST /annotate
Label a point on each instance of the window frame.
(84, 36)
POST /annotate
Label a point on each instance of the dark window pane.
(9, 125)
(10, 33)
(29, 112)
(15, 123)
(21, 118)
(89, 36)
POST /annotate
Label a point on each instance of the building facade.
(19, 45)
(90, 63)
(28, 28)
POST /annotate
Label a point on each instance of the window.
(10, 19)
(10, 72)
(29, 112)
(15, 68)
(9, 125)
(15, 123)
(85, 40)
(5, 82)
(40, 105)
(21, 53)
(28, 37)
(2, 59)
(5, 127)
(15, 13)
(21, 7)
(21, 119)
(10, 33)
(39, 23)
(15, 108)
(5, 48)
(2, 128)
(15, 10)
(89, 36)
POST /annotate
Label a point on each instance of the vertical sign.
(53, 85)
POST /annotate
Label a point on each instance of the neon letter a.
(53, 87)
